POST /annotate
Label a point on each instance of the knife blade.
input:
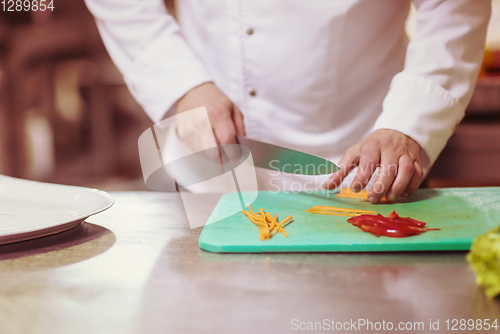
(286, 160)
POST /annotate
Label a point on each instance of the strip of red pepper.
(392, 226)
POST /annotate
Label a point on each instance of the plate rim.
(81, 216)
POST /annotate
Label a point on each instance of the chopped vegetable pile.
(392, 226)
(484, 259)
(268, 226)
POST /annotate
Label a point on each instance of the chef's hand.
(400, 172)
(226, 120)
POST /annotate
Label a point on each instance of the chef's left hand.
(398, 157)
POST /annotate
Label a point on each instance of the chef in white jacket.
(335, 78)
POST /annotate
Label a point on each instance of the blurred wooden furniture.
(34, 51)
(4, 116)
(472, 155)
(486, 97)
(102, 142)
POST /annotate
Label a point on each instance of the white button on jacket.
(314, 75)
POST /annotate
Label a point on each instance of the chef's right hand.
(226, 120)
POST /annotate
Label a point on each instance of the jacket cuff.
(163, 72)
(422, 110)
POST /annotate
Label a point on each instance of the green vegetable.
(484, 259)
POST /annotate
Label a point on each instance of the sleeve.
(428, 98)
(147, 46)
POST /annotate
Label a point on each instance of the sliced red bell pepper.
(392, 226)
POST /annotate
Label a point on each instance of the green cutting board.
(460, 213)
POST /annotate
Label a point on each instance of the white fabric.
(321, 69)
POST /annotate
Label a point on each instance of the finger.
(414, 183)
(347, 163)
(194, 132)
(370, 157)
(204, 139)
(386, 174)
(238, 121)
(405, 171)
(225, 131)
(202, 133)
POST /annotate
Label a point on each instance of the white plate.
(30, 209)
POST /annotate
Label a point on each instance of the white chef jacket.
(316, 75)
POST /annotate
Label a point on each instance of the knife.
(286, 160)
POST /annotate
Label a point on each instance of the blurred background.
(67, 117)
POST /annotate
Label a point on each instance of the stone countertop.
(137, 268)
